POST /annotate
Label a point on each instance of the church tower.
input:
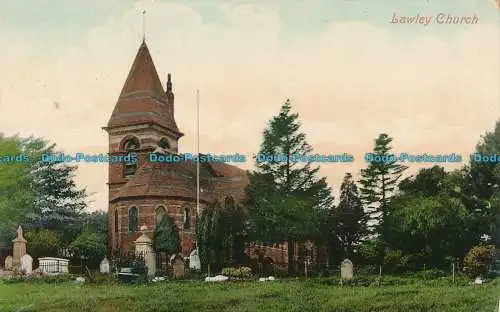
(142, 121)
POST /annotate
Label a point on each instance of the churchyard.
(51, 287)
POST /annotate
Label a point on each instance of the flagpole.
(197, 164)
(198, 152)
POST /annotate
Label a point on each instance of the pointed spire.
(143, 75)
(169, 83)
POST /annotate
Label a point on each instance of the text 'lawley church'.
(140, 193)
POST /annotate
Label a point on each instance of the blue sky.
(66, 20)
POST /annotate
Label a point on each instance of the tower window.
(116, 221)
(132, 220)
(160, 213)
(128, 147)
(164, 143)
(187, 219)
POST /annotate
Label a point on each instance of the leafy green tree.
(478, 260)
(16, 198)
(58, 204)
(483, 181)
(379, 181)
(89, 245)
(43, 243)
(351, 226)
(38, 195)
(431, 227)
(167, 237)
(284, 196)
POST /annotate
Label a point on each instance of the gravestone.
(8, 263)
(143, 248)
(104, 266)
(19, 249)
(27, 264)
(178, 266)
(194, 260)
(346, 270)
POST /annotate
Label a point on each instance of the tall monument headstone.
(19, 248)
(143, 247)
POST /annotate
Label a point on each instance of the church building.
(141, 192)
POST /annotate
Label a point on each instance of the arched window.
(130, 146)
(160, 213)
(187, 219)
(116, 221)
(229, 203)
(132, 219)
(164, 143)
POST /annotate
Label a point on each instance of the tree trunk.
(291, 253)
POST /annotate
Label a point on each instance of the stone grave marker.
(26, 264)
(104, 266)
(194, 260)
(178, 266)
(346, 270)
(8, 263)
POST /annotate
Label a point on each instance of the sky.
(349, 72)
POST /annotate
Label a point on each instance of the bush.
(478, 260)
(89, 245)
(43, 243)
(48, 279)
(240, 273)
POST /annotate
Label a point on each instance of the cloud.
(348, 83)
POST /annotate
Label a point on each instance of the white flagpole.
(198, 152)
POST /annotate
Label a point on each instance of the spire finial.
(169, 82)
(144, 26)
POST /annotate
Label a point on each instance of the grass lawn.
(287, 295)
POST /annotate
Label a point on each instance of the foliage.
(39, 195)
(167, 237)
(43, 243)
(478, 260)
(379, 181)
(239, 273)
(431, 227)
(89, 245)
(220, 235)
(286, 200)
(349, 216)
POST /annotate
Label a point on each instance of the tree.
(37, 194)
(43, 243)
(167, 237)
(431, 228)
(58, 202)
(284, 195)
(483, 181)
(379, 181)
(16, 198)
(90, 246)
(478, 260)
(350, 216)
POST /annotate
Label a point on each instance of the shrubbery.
(242, 272)
(478, 259)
